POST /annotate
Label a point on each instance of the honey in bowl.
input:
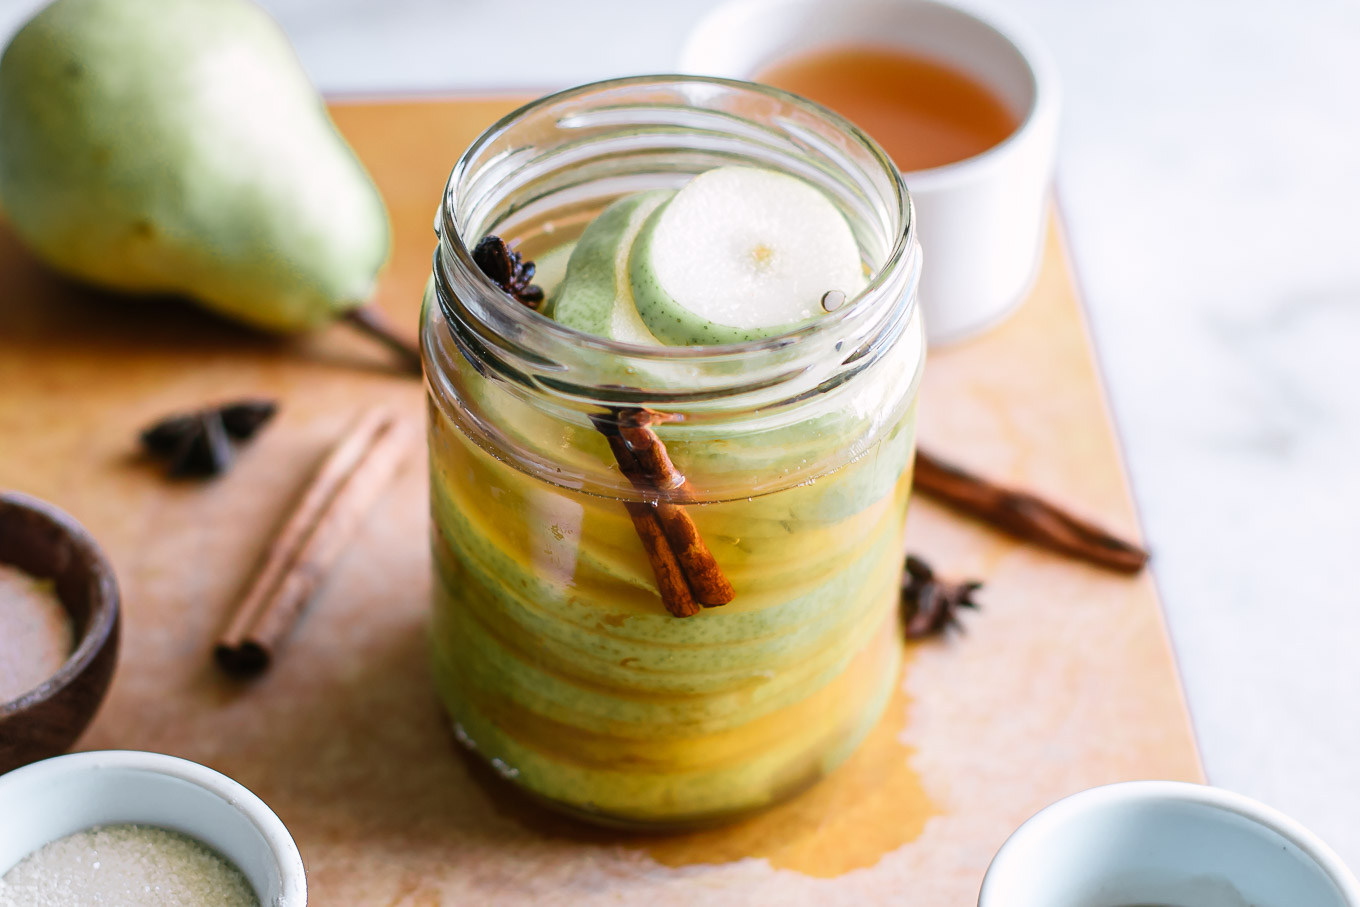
(924, 113)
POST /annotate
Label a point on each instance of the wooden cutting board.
(1063, 681)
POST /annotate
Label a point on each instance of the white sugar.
(35, 632)
(125, 866)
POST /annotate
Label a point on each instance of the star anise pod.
(931, 605)
(508, 270)
(200, 443)
(245, 417)
(205, 450)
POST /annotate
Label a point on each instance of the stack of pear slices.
(736, 254)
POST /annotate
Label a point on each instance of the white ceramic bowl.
(48, 800)
(981, 220)
(1165, 842)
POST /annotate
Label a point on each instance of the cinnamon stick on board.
(341, 493)
(1025, 515)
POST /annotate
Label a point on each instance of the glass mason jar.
(553, 651)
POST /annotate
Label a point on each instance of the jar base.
(536, 810)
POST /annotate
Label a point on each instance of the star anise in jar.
(508, 270)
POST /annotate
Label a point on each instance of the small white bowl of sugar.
(141, 830)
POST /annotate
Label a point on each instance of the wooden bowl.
(46, 543)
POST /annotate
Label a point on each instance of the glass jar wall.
(554, 651)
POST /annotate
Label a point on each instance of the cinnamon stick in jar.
(670, 577)
(655, 472)
(642, 458)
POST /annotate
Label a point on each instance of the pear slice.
(741, 253)
(550, 269)
(595, 296)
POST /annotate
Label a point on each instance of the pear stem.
(371, 321)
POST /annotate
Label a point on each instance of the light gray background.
(1210, 178)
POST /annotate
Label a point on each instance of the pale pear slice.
(741, 253)
(595, 296)
(550, 269)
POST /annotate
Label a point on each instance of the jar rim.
(447, 227)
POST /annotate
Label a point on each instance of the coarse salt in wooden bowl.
(46, 543)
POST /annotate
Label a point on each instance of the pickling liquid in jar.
(553, 652)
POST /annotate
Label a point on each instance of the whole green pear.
(176, 146)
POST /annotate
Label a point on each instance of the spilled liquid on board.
(868, 807)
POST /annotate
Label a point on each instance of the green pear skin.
(596, 297)
(177, 146)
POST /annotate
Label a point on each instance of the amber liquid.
(925, 114)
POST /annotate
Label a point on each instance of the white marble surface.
(1210, 177)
